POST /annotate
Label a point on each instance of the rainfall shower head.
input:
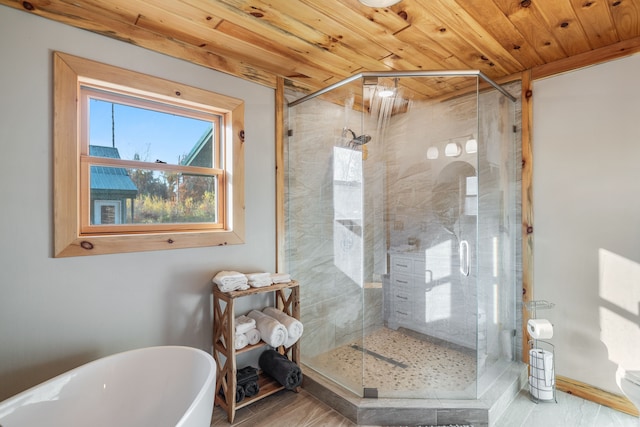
(356, 140)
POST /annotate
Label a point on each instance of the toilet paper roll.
(539, 384)
(538, 391)
(540, 329)
(541, 366)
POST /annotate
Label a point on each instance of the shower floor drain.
(379, 356)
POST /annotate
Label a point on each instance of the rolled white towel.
(280, 278)
(228, 281)
(241, 341)
(293, 325)
(253, 335)
(271, 331)
(244, 324)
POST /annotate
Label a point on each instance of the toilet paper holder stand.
(542, 383)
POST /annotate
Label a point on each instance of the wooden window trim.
(69, 72)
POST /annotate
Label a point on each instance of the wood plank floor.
(284, 409)
(289, 409)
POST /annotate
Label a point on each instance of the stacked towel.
(259, 280)
(251, 388)
(240, 393)
(253, 335)
(244, 324)
(281, 369)
(271, 331)
(247, 378)
(293, 325)
(280, 278)
(228, 281)
(241, 341)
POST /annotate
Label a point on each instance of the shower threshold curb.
(482, 412)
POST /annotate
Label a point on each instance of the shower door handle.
(463, 251)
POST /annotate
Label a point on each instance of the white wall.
(56, 314)
(586, 188)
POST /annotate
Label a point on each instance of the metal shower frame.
(444, 73)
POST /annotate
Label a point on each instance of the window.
(142, 163)
(107, 212)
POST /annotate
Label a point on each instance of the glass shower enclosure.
(402, 226)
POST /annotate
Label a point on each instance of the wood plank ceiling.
(315, 43)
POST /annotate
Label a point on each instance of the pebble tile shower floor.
(400, 364)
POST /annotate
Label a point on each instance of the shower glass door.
(421, 210)
(401, 226)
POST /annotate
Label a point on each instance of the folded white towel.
(258, 276)
(260, 283)
(280, 278)
(241, 341)
(259, 280)
(253, 335)
(293, 325)
(244, 324)
(271, 331)
(228, 281)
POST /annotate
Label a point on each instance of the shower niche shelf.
(287, 299)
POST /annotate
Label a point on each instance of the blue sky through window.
(151, 134)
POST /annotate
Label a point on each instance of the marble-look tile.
(570, 411)
(391, 416)
(611, 418)
(474, 417)
(517, 412)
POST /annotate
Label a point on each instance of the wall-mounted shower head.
(361, 140)
(356, 140)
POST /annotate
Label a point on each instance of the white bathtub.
(150, 387)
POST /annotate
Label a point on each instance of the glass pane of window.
(135, 133)
(107, 212)
(150, 197)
